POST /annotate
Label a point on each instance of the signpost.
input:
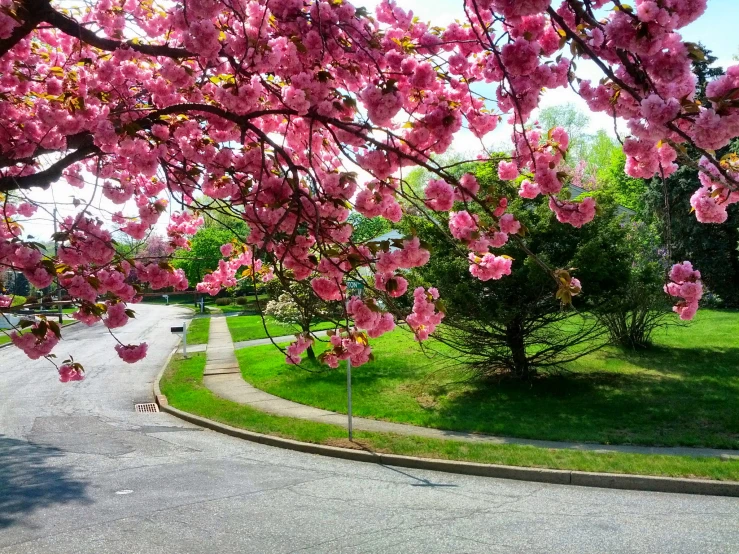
(354, 288)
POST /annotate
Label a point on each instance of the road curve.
(81, 472)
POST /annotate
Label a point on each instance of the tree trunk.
(309, 352)
(517, 346)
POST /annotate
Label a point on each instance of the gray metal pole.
(184, 339)
(349, 397)
(58, 288)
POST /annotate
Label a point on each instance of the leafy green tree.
(297, 305)
(367, 228)
(204, 254)
(516, 326)
(626, 191)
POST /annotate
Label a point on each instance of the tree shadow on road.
(30, 481)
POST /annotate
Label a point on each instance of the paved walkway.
(223, 377)
(220, 357)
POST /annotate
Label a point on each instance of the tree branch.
(32, 13)
(45, 178)
(72, 28)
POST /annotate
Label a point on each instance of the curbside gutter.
(538, 475)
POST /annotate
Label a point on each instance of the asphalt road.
(81, 472)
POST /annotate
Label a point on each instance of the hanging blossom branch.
(275, 108)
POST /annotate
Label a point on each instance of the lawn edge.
(70, 324)
(538, 475)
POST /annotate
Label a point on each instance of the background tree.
(513, 326)
(299, 306)
(204, 253)
(367, 228)
(639, 307)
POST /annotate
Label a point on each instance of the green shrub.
(223, 301)
(242, 300)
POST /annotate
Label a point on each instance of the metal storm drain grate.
(149, 407)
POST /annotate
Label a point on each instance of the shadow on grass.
(30, 482)
(680, 396)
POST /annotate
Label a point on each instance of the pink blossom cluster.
(425, 317)
(297, 348)
(439, 195)
(411, 255)
(116, 315)
(378, 199)
(685, 283)
(225, 275)
(327, 288)
(714, 197)
(70, 372)
(132, 353)
(350, 346)
(392, 283)
(489, 266)
(576, 214)
(368, 317)
(181, 225)
(33, 343)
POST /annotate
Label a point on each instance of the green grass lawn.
(250, 327)
(685, 391)
(182, 385)
(198, 330)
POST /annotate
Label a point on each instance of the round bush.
(223, 301)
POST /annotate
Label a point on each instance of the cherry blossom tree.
(291, 113)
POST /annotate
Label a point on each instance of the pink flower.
(576, 214)
(425, 317)
(297, 348)
(116, 316)
(70, 372)
(394, 285)
(382, 105)
(35, 347)
(439, 195)
(685, 283)
(507, 171)
(132, 353)
(468, 187)
(529, 189)
(326, 289)
(462, 225)
(489, 266)
(227, 249)
(509, 224)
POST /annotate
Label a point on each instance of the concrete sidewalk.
(220, 358)
(223, 377)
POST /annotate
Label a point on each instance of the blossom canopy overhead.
(293, 113)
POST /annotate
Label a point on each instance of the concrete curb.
(538, 475)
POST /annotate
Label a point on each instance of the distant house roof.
(390, 235)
